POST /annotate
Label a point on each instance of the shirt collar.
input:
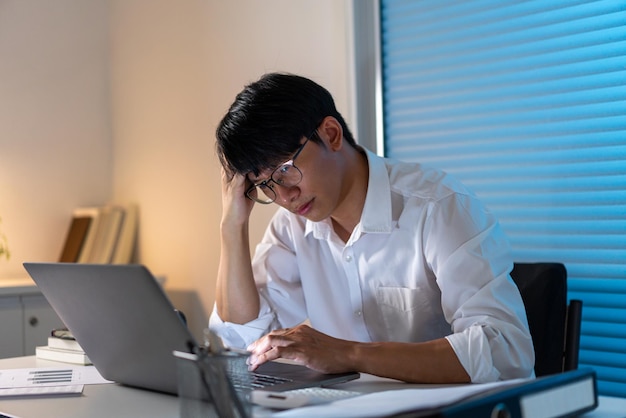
(376, 216)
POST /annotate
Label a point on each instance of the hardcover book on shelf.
(94, 214)
(75, 238)
(59, 354)
(102, 235)
(125, 247)
(107, 233)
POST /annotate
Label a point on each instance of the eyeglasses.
(286, 175)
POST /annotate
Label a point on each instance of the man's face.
(317, 194)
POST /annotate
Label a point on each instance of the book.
(126, 242)
(102, 235)
(106, 235)
(65, 344)
(94, 214)
(76, 234)
(59, 354)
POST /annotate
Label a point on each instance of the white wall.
(55, 151)
(132, 117)
(176, 67)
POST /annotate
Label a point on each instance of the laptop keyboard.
(256, 381)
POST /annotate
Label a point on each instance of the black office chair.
(554, 325)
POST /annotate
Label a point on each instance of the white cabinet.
(26, 318)
(11, 327)
(39, 320)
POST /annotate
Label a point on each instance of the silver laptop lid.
(121, 317)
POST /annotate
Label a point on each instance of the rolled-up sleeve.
(241, 335)
(471, 260)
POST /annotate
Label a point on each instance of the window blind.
(525, 102)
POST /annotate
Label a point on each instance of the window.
(525, 102)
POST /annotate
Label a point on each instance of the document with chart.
(47, 380)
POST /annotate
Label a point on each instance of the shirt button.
(348, 258)
(358, 313)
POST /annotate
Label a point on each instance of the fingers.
(236, 206)
(305, 346)
(259, 352)
(285, 343)
(290, 352)
(255, 360)
(233, 180)
(274, 338)
(227, 175)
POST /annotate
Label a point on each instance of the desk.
(111, 400)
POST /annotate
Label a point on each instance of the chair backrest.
(554, 325)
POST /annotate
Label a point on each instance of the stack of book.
(101, 235)
(63, 348)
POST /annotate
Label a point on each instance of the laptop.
(129, 329)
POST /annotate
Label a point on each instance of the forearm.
(237, 299)
(428, 362)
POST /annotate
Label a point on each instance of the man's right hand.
(236, 207)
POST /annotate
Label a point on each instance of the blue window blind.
(525, 102)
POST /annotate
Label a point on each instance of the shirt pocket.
(411, 314)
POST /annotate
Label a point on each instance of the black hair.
(268, 119)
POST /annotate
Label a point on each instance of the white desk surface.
(112, 400)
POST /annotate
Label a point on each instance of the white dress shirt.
(426, 261)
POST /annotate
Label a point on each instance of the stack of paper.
(65, 349)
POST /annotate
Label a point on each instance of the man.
(399, 270)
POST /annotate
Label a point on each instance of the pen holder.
(210, 385)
